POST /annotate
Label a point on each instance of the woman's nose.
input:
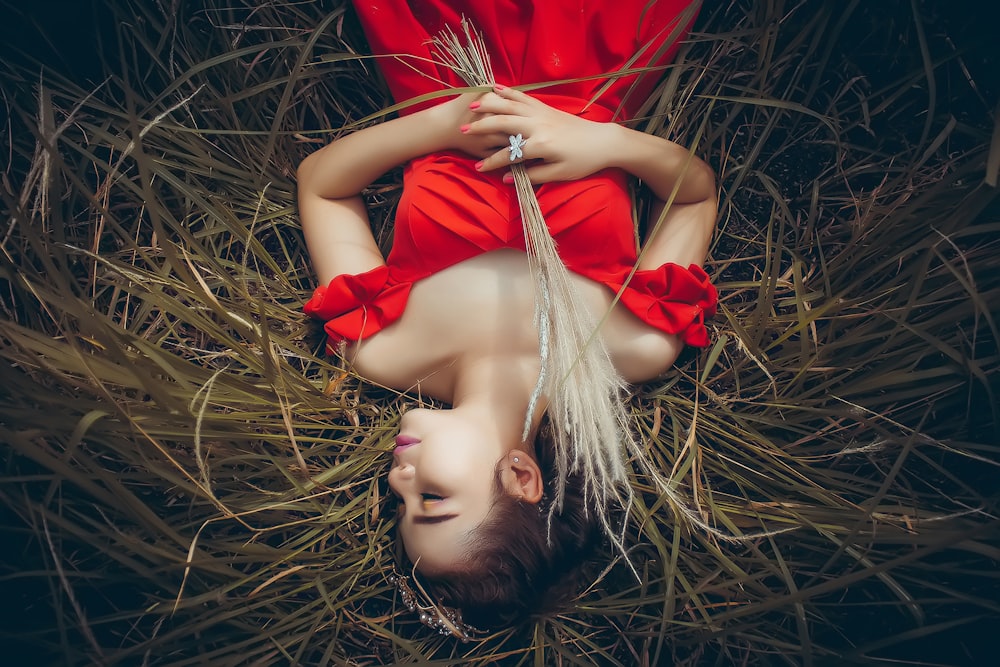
(405, 471)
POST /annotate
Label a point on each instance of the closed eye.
(424, 520)
(431, 497)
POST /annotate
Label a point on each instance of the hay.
(188, 480)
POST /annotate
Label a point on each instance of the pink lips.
(404, 441)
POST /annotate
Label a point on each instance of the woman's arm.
(334, 216)
(682, 232)
(568, 147)
(330, 181)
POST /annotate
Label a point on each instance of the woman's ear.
(522, 478)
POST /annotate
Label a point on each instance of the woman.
(449, 314)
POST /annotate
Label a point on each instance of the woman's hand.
(558, 146)
(459, 113)
(561, 147)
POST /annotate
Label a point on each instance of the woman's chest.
(484, 306)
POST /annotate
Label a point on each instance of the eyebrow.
(423, 520)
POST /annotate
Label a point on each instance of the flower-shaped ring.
(516, 143)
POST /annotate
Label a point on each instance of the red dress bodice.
(449, 212)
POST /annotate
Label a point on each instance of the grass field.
(189, 480)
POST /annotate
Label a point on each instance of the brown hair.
(521, 562)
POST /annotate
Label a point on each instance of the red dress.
(449, 212)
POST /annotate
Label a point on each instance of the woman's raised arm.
(681, 233)
(330, 181)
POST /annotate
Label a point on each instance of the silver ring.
(517, 142)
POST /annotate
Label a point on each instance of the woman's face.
(444, 470)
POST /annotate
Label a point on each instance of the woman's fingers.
(539, 173)
(502, 158)
(511, 140)
(513, 95)
(525, 128)
(505, 101)
(504, 115)
(545, 172)
(502, 126)
(496, 105)
(493, 124)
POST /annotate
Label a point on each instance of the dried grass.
(190, 481)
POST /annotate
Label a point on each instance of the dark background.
(67, 34)
(73, 37)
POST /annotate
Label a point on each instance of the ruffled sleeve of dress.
(356, 306)
(673, 299)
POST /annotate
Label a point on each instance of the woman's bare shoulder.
(485, 306)
(480, 306)
(639, 352)
(644, 354)
(387, 359)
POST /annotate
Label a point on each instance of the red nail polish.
(464, 128)
(508, 177)
(474, 105)
(479, 165)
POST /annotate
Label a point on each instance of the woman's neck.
(497, 389)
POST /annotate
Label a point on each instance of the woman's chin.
(436, 564)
